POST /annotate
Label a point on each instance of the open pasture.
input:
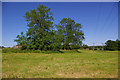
(67, 64)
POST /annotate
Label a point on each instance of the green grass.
(68, 64)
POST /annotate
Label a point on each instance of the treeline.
(2, 47)
(42, 34)
(112, 45)
(109, 45)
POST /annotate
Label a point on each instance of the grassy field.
(69, 64)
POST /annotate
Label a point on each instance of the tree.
(112, 45)
(39, 31)
(85, 46)
(43, 35)
(2, 47)
(70, 33)
(118, 44)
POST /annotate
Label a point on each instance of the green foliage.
(2, 47)
(11, 50)
(70, 33)
(42, 35)
(39, 34)
(21, 39)
(112, 45)
(85, 46)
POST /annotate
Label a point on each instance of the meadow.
(66, 64)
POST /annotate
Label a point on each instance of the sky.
(99, 20)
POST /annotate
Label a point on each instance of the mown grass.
(68, 64)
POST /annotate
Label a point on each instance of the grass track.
(69, 64)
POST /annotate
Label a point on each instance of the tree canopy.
(43, 35)
(70, 33)
(112, 45)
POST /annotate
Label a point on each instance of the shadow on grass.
(10, 50)
(52, 52)
(70, 51)
(78, 51)
(60, 51)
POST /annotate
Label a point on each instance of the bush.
(11, 50)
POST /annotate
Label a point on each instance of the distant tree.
(69, 33)
(118, 44)
(112, 45)
(2, 47)
(85, 46)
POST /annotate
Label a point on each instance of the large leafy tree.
(39, 31)
(43, 35)
(70, 33)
